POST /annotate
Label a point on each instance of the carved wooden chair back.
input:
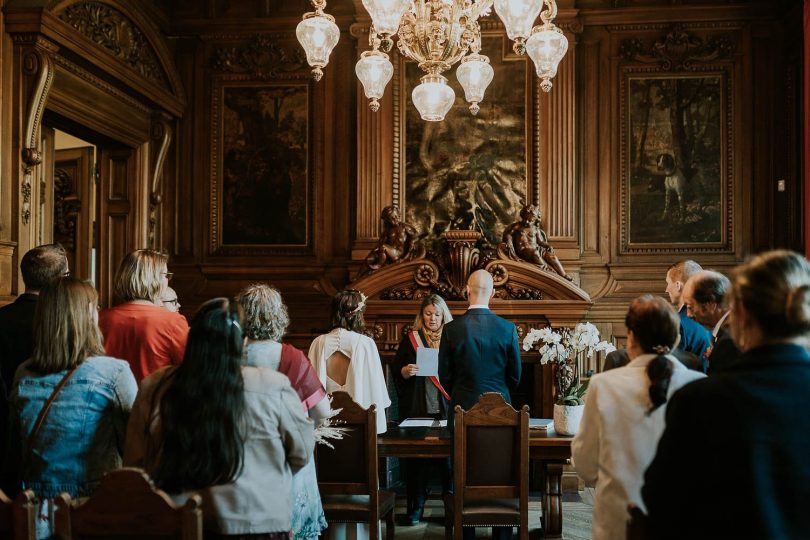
(347, 473)
(126, 505)
(18, 517)
(490, 466)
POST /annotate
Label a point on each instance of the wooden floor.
(576, 519)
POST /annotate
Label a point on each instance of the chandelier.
(438, 34)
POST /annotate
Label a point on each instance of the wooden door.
(74, 207)
(116, 214)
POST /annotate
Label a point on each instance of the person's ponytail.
(659, 372)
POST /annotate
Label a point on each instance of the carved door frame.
(126, 95)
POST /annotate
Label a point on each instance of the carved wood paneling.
(110, 29)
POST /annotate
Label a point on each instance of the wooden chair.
(490, 468)
(18, 518)
(347, 473)
(638, 526)
(126, 505)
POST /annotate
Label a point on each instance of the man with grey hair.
(704, 295)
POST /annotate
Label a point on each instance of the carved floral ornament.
(117, 34)
(261, 58)
(678, 50)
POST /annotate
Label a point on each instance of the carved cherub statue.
(398, 242)
(526, 241)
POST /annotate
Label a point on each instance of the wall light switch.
(780, 185)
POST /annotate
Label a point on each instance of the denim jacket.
(82, 436)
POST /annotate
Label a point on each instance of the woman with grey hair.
(266, 321)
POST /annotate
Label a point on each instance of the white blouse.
(617, 439)
(365, 381)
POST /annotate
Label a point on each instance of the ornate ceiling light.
(437, 34)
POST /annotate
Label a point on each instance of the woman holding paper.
(422, 396)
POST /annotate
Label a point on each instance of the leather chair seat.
(354, 508)
(487, 513)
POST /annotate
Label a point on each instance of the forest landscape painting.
(468, 172)
(675, 159)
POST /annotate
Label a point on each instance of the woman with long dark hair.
(624, 414)
(234, 433)
(80, 435)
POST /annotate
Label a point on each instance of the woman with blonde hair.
(70, 403)
(138, 329)
(746, 429)
(422, 397)
(266, 321)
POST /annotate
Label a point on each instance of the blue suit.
(479, 352)
(694, 336)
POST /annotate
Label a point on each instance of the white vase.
(567, 418)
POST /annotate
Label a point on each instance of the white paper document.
(422, 422)
(427, 360)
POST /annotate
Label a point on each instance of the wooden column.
(375, 139)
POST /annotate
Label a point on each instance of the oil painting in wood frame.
(468, 172)
(676, 170)
(260, 167)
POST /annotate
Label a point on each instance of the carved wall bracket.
(37, 70)
(678, 50)
(262, 57)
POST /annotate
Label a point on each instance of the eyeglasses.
(66, 274)
(172, 301)
(168, 275)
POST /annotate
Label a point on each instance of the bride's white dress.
(365, 383)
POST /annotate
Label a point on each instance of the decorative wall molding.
(99, 83)
(678, 50)
(160, 138)
(117, 34)
(262, 58)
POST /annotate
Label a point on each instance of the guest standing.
(422, 397)
(266, 321)
(347, 360)
(138, 329)
(694, 337)
(235, 434)
(732, 462)
(81, 435)
(624, 414)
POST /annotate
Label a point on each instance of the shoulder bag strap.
(44, 412)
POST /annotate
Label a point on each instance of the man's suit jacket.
(479, 352)
(694, 336)
(16, 335)
(619, 358)
(723, 351)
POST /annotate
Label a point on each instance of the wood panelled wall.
(577, 170)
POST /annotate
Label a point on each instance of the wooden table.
(549, 448)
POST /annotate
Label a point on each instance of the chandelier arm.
(480, 7)
(549, 14)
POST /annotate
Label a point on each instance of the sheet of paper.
(427, 360)
(418, 422)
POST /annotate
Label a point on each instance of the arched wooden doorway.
(101, 70)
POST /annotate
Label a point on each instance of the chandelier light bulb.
(518, 17)
(386, 14)
(318, 34)
(474, 74)
(374, 70)
(433, 97)
(546, 47)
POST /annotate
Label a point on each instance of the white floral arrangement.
(329, 428)
(564, 348)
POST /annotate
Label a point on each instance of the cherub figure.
(526, 241)
(398, 242)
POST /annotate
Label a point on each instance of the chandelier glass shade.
(437, 34)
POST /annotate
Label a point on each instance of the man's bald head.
(480, 287)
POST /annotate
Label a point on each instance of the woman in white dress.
(347, 360)
(624, 414)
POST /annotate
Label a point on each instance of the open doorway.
(70, 180)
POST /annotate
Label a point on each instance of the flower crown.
(362, 304)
